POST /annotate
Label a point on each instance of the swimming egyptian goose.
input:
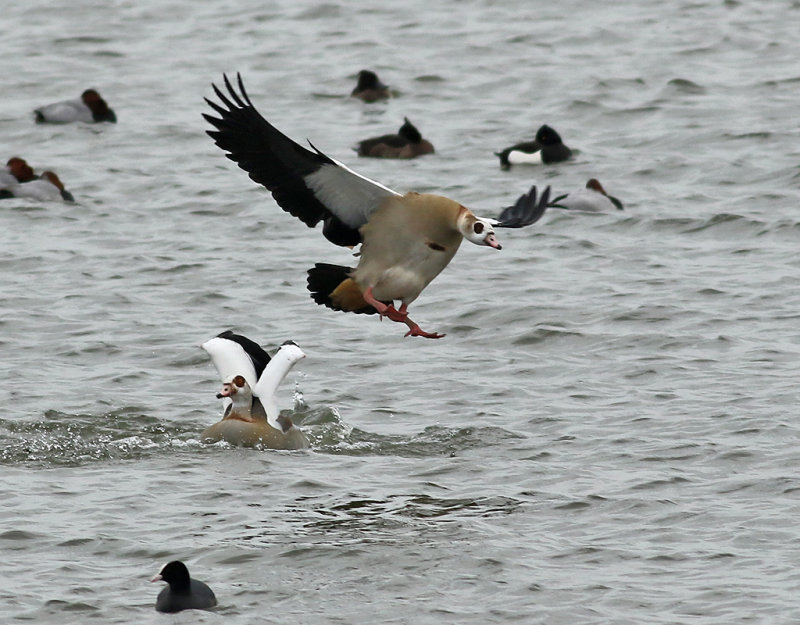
(545, 149)
(250, 378)
(406, 240)
(407, 143)
(592, 197)
(369, 87)
(182, 592)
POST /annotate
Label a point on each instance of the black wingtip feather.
(268, 156)
(232, 91)
(526, 211)
(242, 89)
(257, 355)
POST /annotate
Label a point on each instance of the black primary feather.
(272, 159)
(256, 353)
(526, 211)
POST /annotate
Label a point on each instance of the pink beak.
(491, 241)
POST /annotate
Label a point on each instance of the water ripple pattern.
(608, 433)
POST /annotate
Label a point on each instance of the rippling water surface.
(608, 432)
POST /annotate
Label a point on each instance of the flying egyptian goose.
(249, 381)
(546, 148)
(406, 240)
(407, 143)
(182, 592)
(592, 197)
(369, 87)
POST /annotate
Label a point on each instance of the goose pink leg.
(385, 310)
(398, 315)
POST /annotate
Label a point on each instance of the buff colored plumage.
(407, 240)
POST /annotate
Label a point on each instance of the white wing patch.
(516, 157)
(348, 195)
(278, 368)
(230, 360)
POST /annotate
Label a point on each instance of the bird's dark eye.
(238, 381)
(478, 227)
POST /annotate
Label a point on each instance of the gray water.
(608, 432)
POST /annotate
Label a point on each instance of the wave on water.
(402, 509)
(434, 441)
(61, 439)
(351, 519)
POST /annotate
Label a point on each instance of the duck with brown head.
(16, 170)
(47, 187)
(369, 87)
(592, 198)
(407, 143)
(89, 108)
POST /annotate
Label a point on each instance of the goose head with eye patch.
(239, 392)
(476, 230)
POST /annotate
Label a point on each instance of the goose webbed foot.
(401, 316)
(415, 330)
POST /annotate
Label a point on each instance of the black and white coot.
(182, 592)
